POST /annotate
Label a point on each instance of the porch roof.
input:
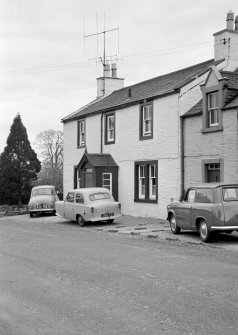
(97, 160)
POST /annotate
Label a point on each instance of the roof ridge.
(166, 74)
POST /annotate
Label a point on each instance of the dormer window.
(213, 109)
(213, 91)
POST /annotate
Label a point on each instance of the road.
(58, 278)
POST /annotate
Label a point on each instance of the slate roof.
(98, 160)
(155, 87)
(231, 98)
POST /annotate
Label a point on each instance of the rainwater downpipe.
(182, 157)
(101, 139)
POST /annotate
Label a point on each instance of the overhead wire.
(126, 58)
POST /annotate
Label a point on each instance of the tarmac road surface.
(57, 278)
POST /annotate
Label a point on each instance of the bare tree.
(50, 147)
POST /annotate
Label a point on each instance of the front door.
(88, 178)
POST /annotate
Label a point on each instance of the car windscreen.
(230, 193)
(42, 191)
(99, 196)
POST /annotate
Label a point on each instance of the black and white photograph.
(118, 167)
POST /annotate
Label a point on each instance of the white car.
(42, 200)
(89, 204)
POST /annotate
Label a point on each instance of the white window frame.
(213, 109)
(81, 132)
(110, 128)
(146, 120)
(152, 181)
(106, 179)
(141, 175)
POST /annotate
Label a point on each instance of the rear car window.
(204, 195)
(99, 196)
(230, 194)
(42, 191)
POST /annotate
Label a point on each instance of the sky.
(48, 68)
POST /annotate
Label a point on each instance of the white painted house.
(129, 139)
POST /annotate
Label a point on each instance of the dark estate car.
(206, 208)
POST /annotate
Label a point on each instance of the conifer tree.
(19, 165)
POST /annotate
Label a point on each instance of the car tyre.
(173, 225)
(80, 220)
(205, 234)
(110, 221)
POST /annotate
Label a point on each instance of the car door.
(203, 206)
(69, 207)
(184, 210)
(230, 205)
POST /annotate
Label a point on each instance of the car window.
(230, 194)
(99, 196)
(70, 197)
(190, 196)
(204, 195)
(79, 198)
(42, 191)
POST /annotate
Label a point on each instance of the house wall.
(72, 154)
(164, 147)
(221, 145)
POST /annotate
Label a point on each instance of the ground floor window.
(107, 181)
(146, 181)
(212, 171)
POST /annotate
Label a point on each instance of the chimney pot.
(236, 23)
(114, 70)
(230, 20)
(107, 70)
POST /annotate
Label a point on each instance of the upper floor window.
(146, 121)
(213, 109)
(81, 133)
(110, 128)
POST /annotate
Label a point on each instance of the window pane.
(191, 195)
(204, 195)
(110, 128)
(147, 120)
(230, 194)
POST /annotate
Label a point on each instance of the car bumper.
(99, 218)
(223, 228)
(41, 210)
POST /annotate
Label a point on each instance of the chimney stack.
(226, 43)
(230, 20)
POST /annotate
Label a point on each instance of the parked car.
(206, 208)
(42, 200)
(89, 204)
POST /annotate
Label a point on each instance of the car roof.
(42, 186)
(87, 190)
(213, 185)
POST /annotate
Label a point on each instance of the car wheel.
(110, 221)
(173, 225)
(80, 220)
(204, 232)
